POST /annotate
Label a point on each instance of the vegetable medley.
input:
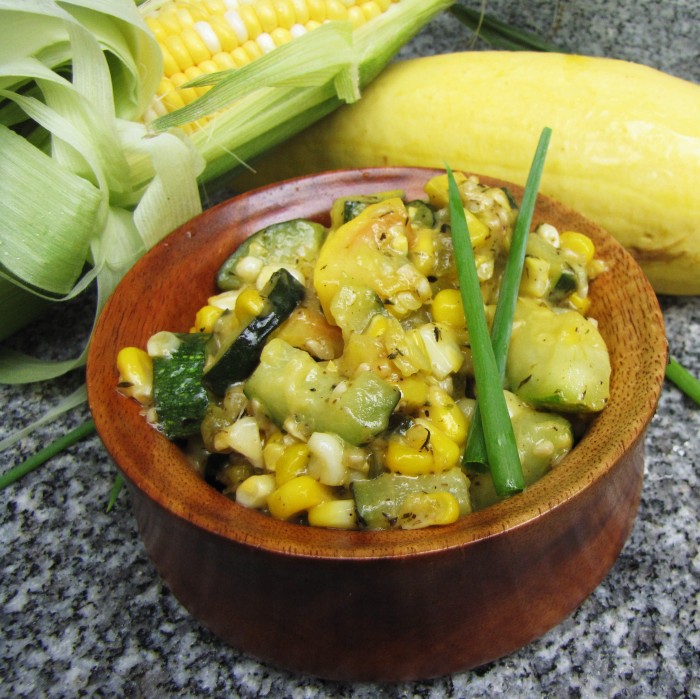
(330, 381)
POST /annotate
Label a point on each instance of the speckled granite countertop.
(83, 613)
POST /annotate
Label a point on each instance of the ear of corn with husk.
(95, 166)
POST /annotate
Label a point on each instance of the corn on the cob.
(200, 37)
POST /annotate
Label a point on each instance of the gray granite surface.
(83, 613)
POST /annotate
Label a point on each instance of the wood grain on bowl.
(377, 606)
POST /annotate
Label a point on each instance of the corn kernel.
(428, 509)
(423, 250)
(249, 304)
(179, 52)
(214, 6)
(159, 31)
(242, 436)
(446, 415)
(224, 33)
(266, 15)
(317, 10)
(255, 490)
(252, 50)
(407, 460)
(448, 308)
(535, 278)
(235, 21)
(197, 72)
(163, 344)
(292, 462)
(250, 19)
(579, 244)
(273, 449)
(135, 374)
(370, 10)
(414, 392)
(356, 16)
(478, 231)
(194, 45)
(301, 11)
(581, 303)
(418, 437)
(209, 38)
(437, 189)
(169, 21)
(377, 325)
(187, 95)
(326, 458)
(445, 450)
(334, 514)
(226, 61)
(206, 318)
(170, 96)
(296, 496)
(280, 36)
(184, 15)
(549, 233)
(336, 10)
(285, 14)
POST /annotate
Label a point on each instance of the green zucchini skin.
(562, 277)
(421, 213)
(289, 383)
(285, 243)
(237, 360)
(378, 500)
(179, 397)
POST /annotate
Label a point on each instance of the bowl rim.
(207, 509)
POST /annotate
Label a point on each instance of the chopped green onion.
(475, 452)
(683, 379)
(41, 457)
(501, 447)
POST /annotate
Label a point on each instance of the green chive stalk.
(48, 452)
(502, 450)
(683, 379)
(475, 452)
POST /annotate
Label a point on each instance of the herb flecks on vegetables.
(501, 446)
(476, 452)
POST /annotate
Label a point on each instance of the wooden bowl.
(376, 606)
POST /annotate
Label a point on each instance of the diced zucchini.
(179, 397)
(421, 213)
(345, 209)
(292, 244)
(557, 359)
(378, 500)
(562, 277)
(290, 385)
(543, 439)
(354, 306)
(234, 356)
